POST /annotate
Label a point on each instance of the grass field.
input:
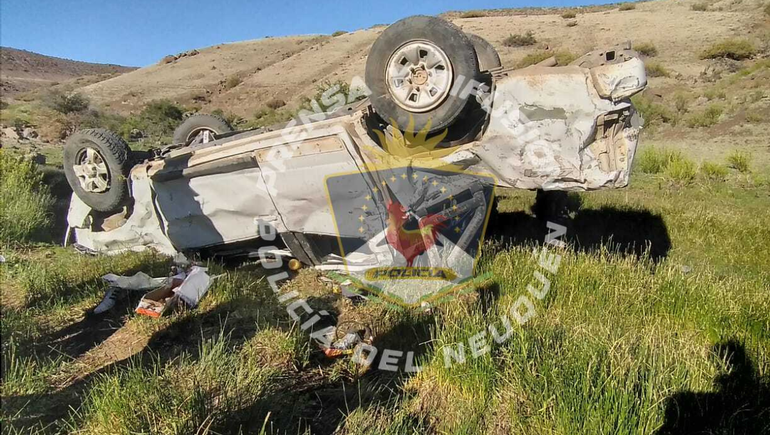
(657, 321)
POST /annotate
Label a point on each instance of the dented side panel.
(213, 209)
(551, 129)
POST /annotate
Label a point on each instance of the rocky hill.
(241, 77)
(22, 70)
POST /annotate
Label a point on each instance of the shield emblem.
(410, 234)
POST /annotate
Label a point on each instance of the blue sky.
(140, 32)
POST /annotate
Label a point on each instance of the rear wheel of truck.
(201, 128)
(486, 54)
(417, 71)
(96, 164)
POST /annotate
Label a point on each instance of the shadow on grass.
(313, 398)
(78, 338)
(740, 404)
(627, 231)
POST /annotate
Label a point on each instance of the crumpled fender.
(563, 128)
(140, 231)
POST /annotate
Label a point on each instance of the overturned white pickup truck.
(439, 102)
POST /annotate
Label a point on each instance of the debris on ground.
(347, 344)
(161, 300)
(162, 294)
(194, 286)
(108, 302)
(138, 281)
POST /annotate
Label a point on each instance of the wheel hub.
(201, 135)
(419, 76)
(92, 171)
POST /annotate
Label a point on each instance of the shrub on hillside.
(706, 118)
(156, 121)
(681, 101)
(268, 116)
(652, 112)
(646, 49)
(740, 161)
(569, 15)
(232, 82)
(473, 14)
(715, 93)
(65, 103)
(736, 49)
(680, 168)
(700, 7)
(714, 171)
(673, 164)
(655, 69)
(275, 103)
(25, 202)
(330, 95)
(520, 40)
(651, 160)
(572, 23)
(235, 121)
(339, 33)
(754, 118)
(627, 7)
(18, 115)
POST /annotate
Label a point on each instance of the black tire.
(486, 54)
(446, 36)
(189, 129)
(114, 152)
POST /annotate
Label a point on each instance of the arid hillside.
(22, 70)
(240, 77)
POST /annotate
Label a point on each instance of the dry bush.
(232, 82)
(681, 101)
(339, 33)
(754, 118)
(275, 103)
(706, 118)
(736, 49)
(715, 93)
(740, 161)
(569, 15)
(655, 69)
(700, 7)
(714, 171)
(520, 40)
(473, 14)
(627, 7)
(646, 49)
(572, 23)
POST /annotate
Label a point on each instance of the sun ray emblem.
(404, 148)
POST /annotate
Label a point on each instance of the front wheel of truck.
(96, 164)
